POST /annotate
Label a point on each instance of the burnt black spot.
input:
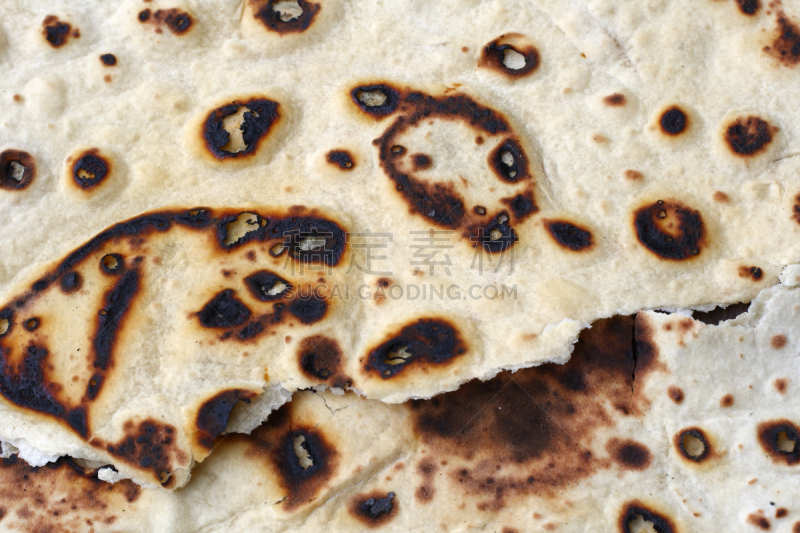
(212, 418)
(429, 341)
(308, 309)
(674, 121)
(633, 510)
(321, 358)
(32, 324)
(259, 118)
(615, 100)
(421, 161)
(509, 162)
(748, 136)
(108, 60)
(71, 282)
(17, 170)
(90, 169)
(282, 23)
(112, 263)
(720, 314)
(77, 421)
(675, 394)
(266, 286)
(178, 22)
(147, 446)
(759, 521)
(340, 158)
(786, 46)
(144, 15)
(25, 385)
(297, 478)
(569, 235)
(497, 235)
(632, 455)
(55, 32)
(224, 311)
(374, 509)
(522, 205)
(198, 218)
(781, 440)
(363, 97)
(310, 239)
(693, 444)
(94, 386)
(753, 272)
(749, 7)
(117, 303)
(494, 57)
(40, 285)
(670, 230)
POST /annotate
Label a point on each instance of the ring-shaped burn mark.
(257, 122)
(378, 100)
(286, 20)
(510, 55)
(693, 444)
(670, 230)
(17, 170)
(439, 202)
(635, 509)
(90, 169)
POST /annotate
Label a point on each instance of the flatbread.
(641, 426)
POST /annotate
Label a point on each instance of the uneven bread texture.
(624, 167)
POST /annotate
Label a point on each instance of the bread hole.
(288, 9)
(495, 234)
(16, 171)
(163, 476)
(236, 230)
(275, 290)
(311, 243)
(85, 174)
(507, 158)
(372, 98)
(277, 249)
(303, 457)
(513, 59)
(693, 446)
(641, 525)
(4, 325)
(111, 263)
(233, 125)
(785, 444)
(399, 355)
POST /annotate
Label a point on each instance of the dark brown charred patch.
(224, 311)
(494, 56)
(108, 60)
(308, 309)
(509, 170)
(426, 342)
(693, 444)
(144, 15)
(781, 384)
(675, 394)
(178, 22)
(378, 100)
(568, 235)
(615, 100)
(257, 122)
(537, 422)
(748, 136)
(150, 446)
(340, 158)
(212, 417)
(759, 521)
(778, 341)
(726, 401)
(55, 32)
(721, 314)
(781, 512)
(635, 509)
(673, 121)
(752, 272)
(267, 286)
(17, 170)
(786, 46)
(630, 454)
(280, 22)
(749, 7)
(321, 358)
(427, 470)
(781, 440)
(633, 175)
(90, 169)
(25, 384)
(421, 161)
(374, 509)
(384, 282)
(670, 230)
(278, 441)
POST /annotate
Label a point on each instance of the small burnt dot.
(726, 401)
(781, 512)
(615, 100)
(108, 60)
(421, 161)
(32, 324)
(675, 394)
(71, 282)
(747, 136)
(17, 98)
(633, 175)
(464, 49)
(752, 272)
(17, 170)
(511, 55)
(749, 7)
(112, 263)
(778, 341)
(759, 521)
(673, 121)
(720, 197)
(479, 140)
(56, 33)
(569, 235)
(479, 210)
(781, 385)
(144, 15)
(340, 158)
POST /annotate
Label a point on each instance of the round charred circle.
(90, 169)
(112, 263)
(320, 358)
(635, 509)
(670, 230)
(693, 444)
(509, 161)
(55, 32)
(17, 170)
(287, 21)
(378, 100)
(258, 120)
(749, 7)
(422, 161)
(108, 60)
(747, 136)
(674, 121)
(144, 15)
(178, 22)
(569, 236)
(630, 454)
(32, 324)
(224, 311)
(509, 56)
(308, 309)
(340, 158)
(781, 440)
